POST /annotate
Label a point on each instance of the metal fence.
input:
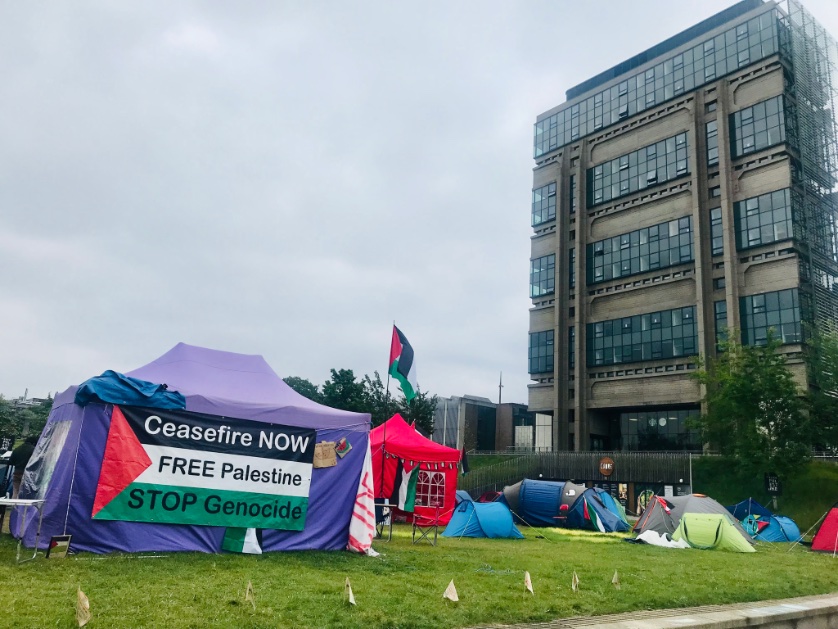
(629, 467)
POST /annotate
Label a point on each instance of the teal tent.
(482, 519)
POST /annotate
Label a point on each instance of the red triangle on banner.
(124, 460)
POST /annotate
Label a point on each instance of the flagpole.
(386, 411)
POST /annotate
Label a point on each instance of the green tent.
(711, 530)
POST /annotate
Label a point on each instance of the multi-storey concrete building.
(684, 191)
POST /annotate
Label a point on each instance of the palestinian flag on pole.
(591, 515)
(402, 365)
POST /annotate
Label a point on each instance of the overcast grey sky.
(286, 178)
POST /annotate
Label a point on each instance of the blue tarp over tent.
(601, 502)
(482, 519)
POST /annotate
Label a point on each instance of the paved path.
(715, 616)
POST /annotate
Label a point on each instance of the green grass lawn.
(403, 587)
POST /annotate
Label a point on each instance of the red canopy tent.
(395, 441)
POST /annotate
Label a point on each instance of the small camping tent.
(774, 528)
(826, 537)
(663, 515)
(397, 450)
(596, 510)
(539, 502)
(711, 531)
(742, 510)
(481, 519)
(194, 396)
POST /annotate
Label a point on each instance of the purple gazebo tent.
(213, 382)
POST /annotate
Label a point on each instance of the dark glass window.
(647, 249)
(673, 76)
(649, 166)
(712, 143)
(718, 283)
(544, 204)
(659, 429)
(757, 127)
(778, 311)
(716, 233)
(572, 199)
(571, 271)
(541, 352)
(571, 347)
(543, 276)
(720, 316)
(763, 219)
(652, 336)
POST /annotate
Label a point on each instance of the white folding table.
(26, 503)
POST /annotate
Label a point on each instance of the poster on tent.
(177, 467)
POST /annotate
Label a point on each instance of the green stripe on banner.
(407, 388)
(163, 504)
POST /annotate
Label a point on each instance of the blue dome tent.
(482, 519)
(596, 510)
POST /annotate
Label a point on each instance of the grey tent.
(663, 515)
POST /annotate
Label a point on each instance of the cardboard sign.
(324, 454)
(176, 467)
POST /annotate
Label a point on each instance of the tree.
(304, 387)
(421, 410)
(754, 409)
(343, 391)
(380, 406)
(8, 419)
(822, 363)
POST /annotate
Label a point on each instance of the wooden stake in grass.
(574, 582)
(248, 595)
(82, 608)
(528, 582)
(615, 581)
(348, 590)
(451, 592)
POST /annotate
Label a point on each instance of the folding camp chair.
(424, 526)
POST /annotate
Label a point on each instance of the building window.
(712, 143)
(572, 188)
(661, 429)
(543, 276)
(642, 250)
(541, 352)
(720, 317)
(763, 219)
(778, 311)
(649, 166)
(718, 283)
(715, 192)
(652, 336)
(716, 233)
(709, 108)
(544, 204)
(758, 127)
(571, 347)
(430, 489)
(572, 268)
(684, 72)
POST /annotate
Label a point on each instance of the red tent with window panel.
(396, 444)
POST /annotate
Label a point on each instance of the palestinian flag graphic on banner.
(238, 540)
(402, 365)
(177, 467)
(592, 516)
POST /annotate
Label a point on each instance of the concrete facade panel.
(543, 245)
(676, 122)
(540, 398)
(542, 319)
(771, 275)
(653, 298)
(617, 223)
(674, 389)
(773, 176)
(759, 88)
